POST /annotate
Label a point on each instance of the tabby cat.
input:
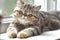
(29, 21)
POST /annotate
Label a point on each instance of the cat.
(29, 21)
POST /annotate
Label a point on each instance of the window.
(7, 6)
(48, 5)
(53, 5)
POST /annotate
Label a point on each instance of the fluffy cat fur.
(29, 21)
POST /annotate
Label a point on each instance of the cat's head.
(27, 14)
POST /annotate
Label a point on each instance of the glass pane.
(9, 5)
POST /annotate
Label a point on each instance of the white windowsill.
(7, 20)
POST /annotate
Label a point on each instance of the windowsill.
(7, 19)
(50, 35)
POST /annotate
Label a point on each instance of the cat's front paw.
(22, 35)
(12, 35)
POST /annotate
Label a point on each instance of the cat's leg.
(28, 32)
(12, 31)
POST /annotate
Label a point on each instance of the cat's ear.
(37, 8)
(20, 2)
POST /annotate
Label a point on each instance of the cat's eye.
(20, 12)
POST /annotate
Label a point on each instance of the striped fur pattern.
(29, 21)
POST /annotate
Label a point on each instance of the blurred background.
(7, 6)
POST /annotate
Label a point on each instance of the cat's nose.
(23, 17)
